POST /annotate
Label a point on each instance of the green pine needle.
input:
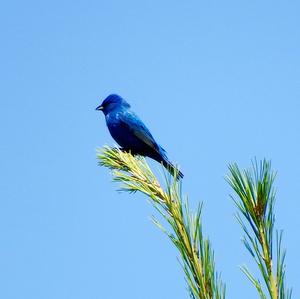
(255, 203)
(197, 258)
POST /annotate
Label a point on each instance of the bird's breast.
(116, 130)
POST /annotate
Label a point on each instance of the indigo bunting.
(131, 133)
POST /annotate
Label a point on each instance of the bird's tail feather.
(172, 169)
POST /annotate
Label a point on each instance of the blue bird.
(131, 133)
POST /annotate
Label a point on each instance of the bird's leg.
(123, 149)
(126, 150)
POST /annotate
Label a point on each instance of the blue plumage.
(131, 133)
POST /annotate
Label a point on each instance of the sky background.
(215, 81)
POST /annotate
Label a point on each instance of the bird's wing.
(138, 128)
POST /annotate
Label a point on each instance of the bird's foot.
(123, 149)
(126, 150)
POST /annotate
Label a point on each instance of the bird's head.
(111, 103)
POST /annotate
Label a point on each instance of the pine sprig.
(197, 258)
(255, 203)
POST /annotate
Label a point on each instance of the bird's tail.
(172, 169)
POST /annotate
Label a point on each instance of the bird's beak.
(99, 108)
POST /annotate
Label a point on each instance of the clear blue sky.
(215, 81)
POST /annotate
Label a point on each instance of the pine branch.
(255, 202)
(197, 258)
